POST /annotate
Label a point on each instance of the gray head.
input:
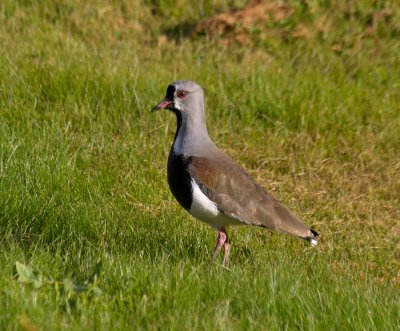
(183, 96)
(186, 99)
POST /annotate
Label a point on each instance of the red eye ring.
(181, 94)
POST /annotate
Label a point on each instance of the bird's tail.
(313, 239)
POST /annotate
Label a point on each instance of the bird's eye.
(181, 94)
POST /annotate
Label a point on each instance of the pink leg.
(222, 240)
(227, 247)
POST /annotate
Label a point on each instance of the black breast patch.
(179, 179)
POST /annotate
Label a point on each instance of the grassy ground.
(84, 203)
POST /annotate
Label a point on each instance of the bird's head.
(184, 97)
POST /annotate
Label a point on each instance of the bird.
(209, 184)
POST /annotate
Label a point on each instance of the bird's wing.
(238, 196)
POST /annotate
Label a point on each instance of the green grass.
(316, 120)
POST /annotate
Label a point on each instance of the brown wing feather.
(237, 195)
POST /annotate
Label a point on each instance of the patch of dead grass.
(353, 205)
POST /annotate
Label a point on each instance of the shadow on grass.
(185, 30)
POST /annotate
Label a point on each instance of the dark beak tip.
(162, 105)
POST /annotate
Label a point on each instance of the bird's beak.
(162, 105)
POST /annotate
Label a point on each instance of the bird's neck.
(191, 136)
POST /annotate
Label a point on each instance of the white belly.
(205, 210)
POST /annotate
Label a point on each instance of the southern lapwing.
(209, 184)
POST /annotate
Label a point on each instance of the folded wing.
(238, 196)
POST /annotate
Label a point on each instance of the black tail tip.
(313, 240)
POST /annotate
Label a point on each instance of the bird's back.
(239, 196)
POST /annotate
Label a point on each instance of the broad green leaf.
(69, 286)
(28, 276)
